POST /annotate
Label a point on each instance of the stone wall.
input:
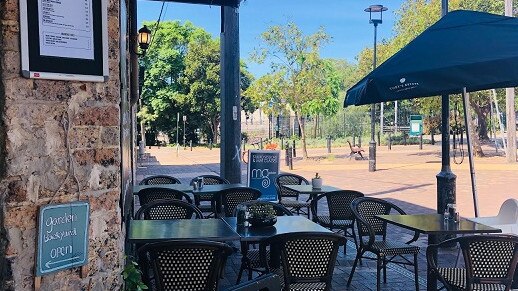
(59, 142)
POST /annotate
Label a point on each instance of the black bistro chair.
(490, 262)
(184, 265)
(207, 197)
(231, 197)
(250, 260)
(372, 233)
(267, 282)
(167, 209)
(307, 259)
(159, 180)
(151, 194)
(288, 197)
(341, 217)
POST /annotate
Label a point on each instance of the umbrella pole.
(467, 114)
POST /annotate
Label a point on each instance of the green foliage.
(133, 277)
(182, 75)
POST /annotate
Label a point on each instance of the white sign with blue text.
(263, 168)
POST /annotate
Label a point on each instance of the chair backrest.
(159, 180)
(231, 197)
(490, 259)
(288, 179)
(267, 282)
(339, 204)
(185, 265)
(260, 206)
(306, 256)
(211, 180)
(164, 209)
(365, 209)
(151, 194)
(508, 212)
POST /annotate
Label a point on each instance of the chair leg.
(378, 273)
(384, 261)
(241, 269)
(416, 277)
(358, 257)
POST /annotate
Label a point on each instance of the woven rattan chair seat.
(295, 203)
(326, 221)
(390, 248)
(456, 277)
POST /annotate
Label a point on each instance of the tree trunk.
(302, 136)
(482, 122)
(475, 141)
(315, 126)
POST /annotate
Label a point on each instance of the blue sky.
(344, 20)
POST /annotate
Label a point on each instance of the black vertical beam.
(446, 179)
(230, 164)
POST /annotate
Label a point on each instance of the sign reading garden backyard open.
(62, 237)
(263, 168)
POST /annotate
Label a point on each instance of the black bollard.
(421, 141)
(328, 144)
(282, 142)
(294, 152)
(290, 161)
(261, 143)
(191, 145)
(287, 154)
(404, 138)
(390, 141)
(210, 144)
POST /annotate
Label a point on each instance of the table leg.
(431, 279)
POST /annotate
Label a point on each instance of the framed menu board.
(64, 39)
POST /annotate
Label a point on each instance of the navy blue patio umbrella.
(464, 51)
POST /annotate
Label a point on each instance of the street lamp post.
(184, 120)
(376, 10)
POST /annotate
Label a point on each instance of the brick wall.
(59, 142)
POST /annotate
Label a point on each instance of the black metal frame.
(149, 254)
(470, 278)
(277, 244)
(175, 194)
(349, 196)
(143, 212)
(294, 208)
(146, 180)
(364, 228)
(268, 282)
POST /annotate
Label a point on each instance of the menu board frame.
(38, 66)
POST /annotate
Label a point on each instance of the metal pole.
(467, 114)
(372, 143)
(177, 127)
(381, 118)
(184, 144)
(499, 115)
(510, 111)
(395, 117)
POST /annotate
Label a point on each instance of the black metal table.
(285, 224)
(434, 226)
(146, 231)
(308, 189)
(180, 187)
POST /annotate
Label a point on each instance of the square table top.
(146, 231)
(285, 224)
(308, 189)
(206, 189)
(435, 224)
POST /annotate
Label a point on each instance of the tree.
(296, 57)
(182, 76)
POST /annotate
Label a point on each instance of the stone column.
(59, 143)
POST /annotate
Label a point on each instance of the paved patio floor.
(405, 176)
